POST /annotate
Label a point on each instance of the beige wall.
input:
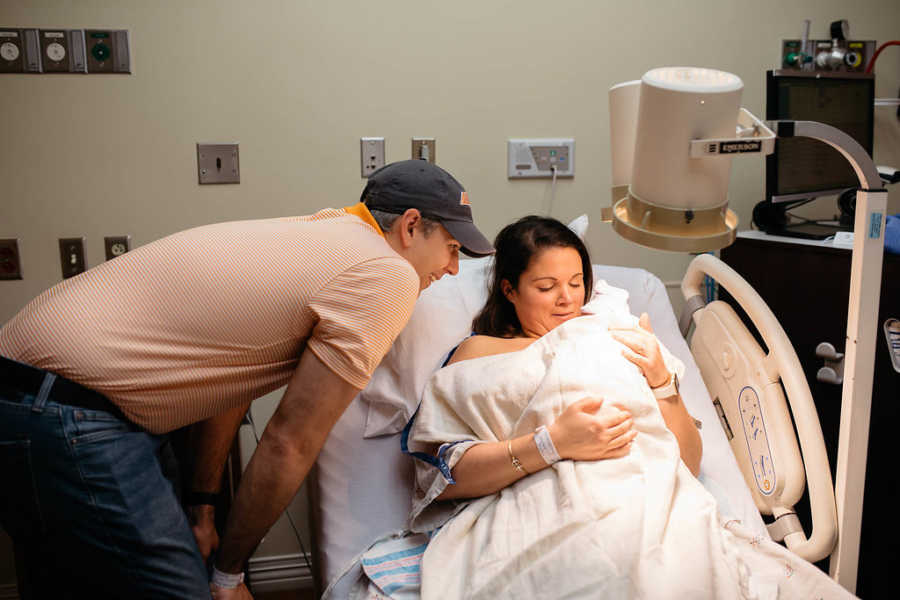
(298, 83)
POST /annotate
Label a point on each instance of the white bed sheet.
(364, 485)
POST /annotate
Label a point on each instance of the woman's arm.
(578, 434)
(642, 348)
(680, 422)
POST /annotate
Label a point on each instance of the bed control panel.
(757, 441)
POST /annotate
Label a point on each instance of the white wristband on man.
(229, 581)
(545, 446)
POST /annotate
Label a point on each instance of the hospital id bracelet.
(513, 459)
(545, 446)
(229, 581)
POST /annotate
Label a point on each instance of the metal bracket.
(833, 371)
(783, 526)
(751, 135)
(691, 305)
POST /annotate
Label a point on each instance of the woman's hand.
(642, 348)
(580, 434)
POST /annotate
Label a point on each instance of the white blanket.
(635, 527)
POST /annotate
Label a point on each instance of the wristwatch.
(668, 389)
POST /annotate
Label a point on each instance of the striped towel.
(393, 567)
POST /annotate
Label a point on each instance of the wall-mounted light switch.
(218, 163)
(371, 155)
(10, 264)
(71, 256)
(423, 149)
(116, 245)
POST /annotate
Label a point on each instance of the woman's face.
(550, 291)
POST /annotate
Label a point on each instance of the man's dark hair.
(517, 245)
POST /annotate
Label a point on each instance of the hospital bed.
(361, 487)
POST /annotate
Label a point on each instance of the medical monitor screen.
(803, 167)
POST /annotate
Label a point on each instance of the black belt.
(25, 378)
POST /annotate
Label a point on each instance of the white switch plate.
(371, 155)
(531, 158)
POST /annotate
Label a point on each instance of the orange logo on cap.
(464, 199)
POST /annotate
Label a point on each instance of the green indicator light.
(553, 153)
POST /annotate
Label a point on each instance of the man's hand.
(314, 400)
(239, 593)
(203, 526)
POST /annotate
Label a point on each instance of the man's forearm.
(211, 442)
(314, 400)
(270, 481)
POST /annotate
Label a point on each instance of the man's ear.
(407, 224)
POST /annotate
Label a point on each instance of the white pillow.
(441, 320)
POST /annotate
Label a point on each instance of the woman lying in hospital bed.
(581, 477)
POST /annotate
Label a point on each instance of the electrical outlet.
(371, 155)
(116, 245)
(71, 256)
(10, 265)
(423, 149)
(218, 163)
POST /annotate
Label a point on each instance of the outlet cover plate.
(218, 163)
(371, 155)
(71, 256)
(10, 263)
(116, 245)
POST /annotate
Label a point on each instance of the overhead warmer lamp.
(673, 133)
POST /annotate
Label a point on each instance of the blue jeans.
(85, 499)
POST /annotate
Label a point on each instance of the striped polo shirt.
(203, 320)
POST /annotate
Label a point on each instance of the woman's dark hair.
(516, 245)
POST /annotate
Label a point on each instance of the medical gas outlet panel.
(64, 51)
(827, 55)
(837, 54)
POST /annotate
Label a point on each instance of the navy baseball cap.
(396, 187)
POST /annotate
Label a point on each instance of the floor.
(304, 594)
